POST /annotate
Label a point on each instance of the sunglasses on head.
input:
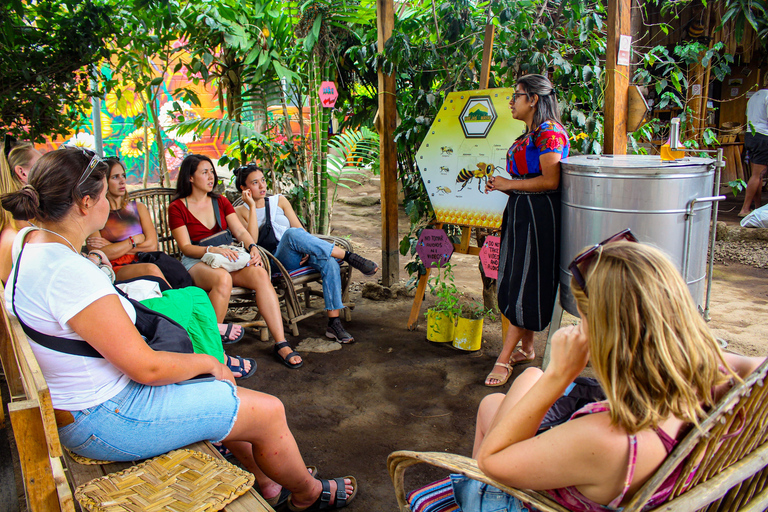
(95, 160)
(586, 256)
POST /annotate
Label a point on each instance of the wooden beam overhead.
(390, 253)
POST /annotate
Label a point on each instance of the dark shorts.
(757, 145)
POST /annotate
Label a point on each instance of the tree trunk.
(490, 295)
(165, 179)
(145, 174)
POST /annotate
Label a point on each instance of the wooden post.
(390, 253)
(485, 67)
(617, 80)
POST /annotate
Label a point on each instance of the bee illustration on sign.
(443, 190)
(446, 150)
(444, 170)
(482, 173)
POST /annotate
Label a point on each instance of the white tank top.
(280, 223)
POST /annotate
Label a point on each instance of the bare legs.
(274, 454)
(754, 187)
(137, 270)
(508, 355)
(491, 403)
(218, 283)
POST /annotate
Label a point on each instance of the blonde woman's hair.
(652, 352)
(9, 182)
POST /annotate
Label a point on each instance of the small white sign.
(625, 44)
(734, 92)
(696, 90)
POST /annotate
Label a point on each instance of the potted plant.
(441, 317)
(468, 334)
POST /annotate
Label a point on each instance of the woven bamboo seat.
(727, 457)
(182, 480)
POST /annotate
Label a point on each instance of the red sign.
(328, 94)
(489, 256)
(434, 247)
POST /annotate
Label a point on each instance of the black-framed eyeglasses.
(516, 95)
(622, 236)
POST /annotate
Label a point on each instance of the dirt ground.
(392, 390)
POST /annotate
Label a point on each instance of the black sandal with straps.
(285, 360)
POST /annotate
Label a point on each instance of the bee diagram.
(443, 190)
(446, 150)
(444, 170)
(482, 173)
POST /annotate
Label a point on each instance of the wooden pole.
(617, 80)
(485, 67)
(390, 254)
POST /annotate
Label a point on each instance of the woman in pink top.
(658, 363)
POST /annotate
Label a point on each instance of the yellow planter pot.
(440, 326)
(469, 334)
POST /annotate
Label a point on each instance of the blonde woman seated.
(658, 363)
(192, 218)
(123, 404)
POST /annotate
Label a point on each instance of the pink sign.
(489, 256)
(328, 94)
(434, 247)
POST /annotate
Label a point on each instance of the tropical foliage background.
(238, 80)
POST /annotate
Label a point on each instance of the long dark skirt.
(529, 258)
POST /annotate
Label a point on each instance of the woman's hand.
(224, 251)
(222, 372)
(255, 257)
(248, 199)
(138, 239)
(99, 258)
(304, 260)
(497, 183)
(570, 352)
(97, 242)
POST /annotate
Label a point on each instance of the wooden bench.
(48, 472)
(727, 456)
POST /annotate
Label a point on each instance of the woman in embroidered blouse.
(191, 218)
(660, 375)
(530, 231)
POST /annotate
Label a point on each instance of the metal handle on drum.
(688, 222)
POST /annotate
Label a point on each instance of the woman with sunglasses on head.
(196, 213)
(123, 404)
(530, 230)
(658, 363)
(293, 246)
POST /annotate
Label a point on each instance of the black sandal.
(324, 501)
(225, 337)
(285, 360)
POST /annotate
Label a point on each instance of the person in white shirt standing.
(756, 142)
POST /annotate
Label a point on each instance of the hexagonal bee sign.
(466, 144)
(478, 117)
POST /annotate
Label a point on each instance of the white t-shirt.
(757, 112)
(54, 285)
(280, 223)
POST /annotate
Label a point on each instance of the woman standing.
(530, 231)
(192, 217)
(293, 246)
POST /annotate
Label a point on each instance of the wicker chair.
(727, 457)
(294, 290)
(157, 201)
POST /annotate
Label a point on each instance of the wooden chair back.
(157, 201)
(724, 461)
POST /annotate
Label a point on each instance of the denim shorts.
(474, 496)
(189, 262)
(145, 421)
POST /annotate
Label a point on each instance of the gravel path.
(748, 252)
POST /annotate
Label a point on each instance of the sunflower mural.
(122, 138)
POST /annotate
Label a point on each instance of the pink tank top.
(572, 499)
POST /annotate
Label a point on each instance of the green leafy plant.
(474, 310)
(737, 186)
(443, 287)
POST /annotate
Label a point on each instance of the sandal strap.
(282, 345)
(324, 501)
(505, 365)
(229, 330)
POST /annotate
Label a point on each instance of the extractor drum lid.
(634, 164)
